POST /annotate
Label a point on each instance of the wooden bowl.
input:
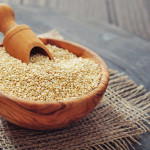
(52, 115)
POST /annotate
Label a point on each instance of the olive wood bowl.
(52, 115)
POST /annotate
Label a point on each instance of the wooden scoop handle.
(7, 18)
(19, 40)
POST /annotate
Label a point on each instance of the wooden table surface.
(130, 15)
(121, 50)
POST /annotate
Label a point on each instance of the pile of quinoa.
(67, 77)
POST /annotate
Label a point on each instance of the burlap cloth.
(116, 123)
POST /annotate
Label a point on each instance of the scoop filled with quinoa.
(67, 77)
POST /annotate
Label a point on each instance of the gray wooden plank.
(4, 1)
(87, 8)
(138, 22)
(145, 16)
(123, 17)
(133, 16)
(10, 1)
(112, 15)
(130, 15)
(30, 2)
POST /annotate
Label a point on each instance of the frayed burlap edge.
(134, 97)
(135, 107)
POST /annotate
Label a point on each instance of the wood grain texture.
(19, 40)
(130, 15)
(51, 115)
(133, 16)
(87, 8)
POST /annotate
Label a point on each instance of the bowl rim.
(99, 90)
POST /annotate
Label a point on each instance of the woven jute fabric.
(116, 123)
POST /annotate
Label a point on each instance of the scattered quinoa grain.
(67, 77)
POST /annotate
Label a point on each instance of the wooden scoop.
(19, 40)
